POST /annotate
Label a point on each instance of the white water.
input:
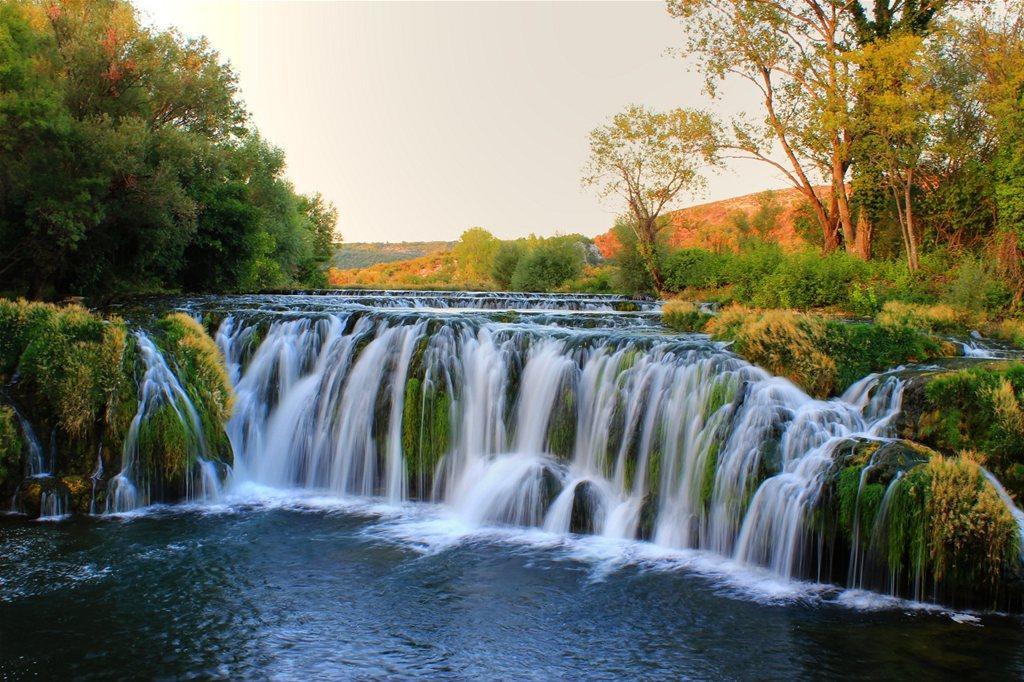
(129, 489)
(690, 447)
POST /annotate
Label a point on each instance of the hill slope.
(364, 254)
(715, 225)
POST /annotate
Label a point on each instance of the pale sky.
(420, 120)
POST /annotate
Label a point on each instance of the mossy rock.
(586, 507)
(11, 448)
(978, 407)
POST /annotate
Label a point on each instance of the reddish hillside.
(714, 225)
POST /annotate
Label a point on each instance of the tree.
(126, 162)
(549, 265)
(649, 159)
(475, 253)
(506, 259)
(900, 106)
(792, 53)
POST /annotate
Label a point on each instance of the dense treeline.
(909, 113)
(127, 163)
(479, 260)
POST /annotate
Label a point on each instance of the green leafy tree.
(475, 253)
(506, 259)
(549, 265)
(648, 160)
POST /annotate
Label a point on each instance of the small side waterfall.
(36, 460)
(159, 388)
(573, 431)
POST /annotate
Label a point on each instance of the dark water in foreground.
(312, 589)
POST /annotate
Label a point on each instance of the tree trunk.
(908, 211)
(865, 234)
(646, 237)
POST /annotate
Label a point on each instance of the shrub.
(10, 445)
(506, 258)
(683, 316)
(822, 356)
(549, 265)
(939, 318)
(696, 269)
(1010, 330)
(981, 408)
(977, 287)
(783, 342)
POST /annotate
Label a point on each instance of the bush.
(822, 356)
(683, 316)
(548, 266)
(809, 280)
(506, 258)
(696, 269)
(981, 409)
(939, 318)
(784, 342)
(977, 287)
(1010, 330)
(633, 276)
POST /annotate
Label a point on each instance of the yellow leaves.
(929, 318)
(784, 342)
(970, 528)
(1007, 407)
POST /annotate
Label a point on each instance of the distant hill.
(715, 224)
(355, 255)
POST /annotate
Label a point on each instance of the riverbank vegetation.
(76, 378)
(128, 163)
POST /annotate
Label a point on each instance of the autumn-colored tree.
(649, 159)
(793, 53)
(900, 105)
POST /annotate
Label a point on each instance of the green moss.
(562, 432)
(201, 370)
(708, 473)
(979, 409)
(166, 451)
(10, 446)
(723, 391)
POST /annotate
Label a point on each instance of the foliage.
(927, 318)
(647, 159)
(548, 265)
(126, 163)
(506, 259)
(633, 275)
(981, 409)
(10, 445)
(475, 253)
(683, 316)
(822, 356)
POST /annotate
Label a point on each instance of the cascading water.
(158, 387)
(624, 435)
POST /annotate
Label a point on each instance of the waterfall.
(568, 429)
(129, 489)
(36, 458)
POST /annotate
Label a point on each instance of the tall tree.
(792, 52)
(649, 159)
(899, 109)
